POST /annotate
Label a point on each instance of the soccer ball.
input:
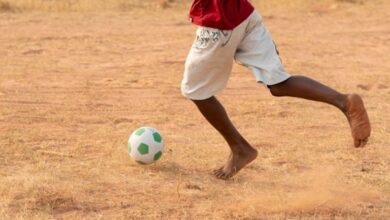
(145, 145)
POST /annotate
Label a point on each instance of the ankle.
(244, 149)
(342, 103)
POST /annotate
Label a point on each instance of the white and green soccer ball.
(145, 145)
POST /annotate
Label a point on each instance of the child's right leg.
(258, 52)
(351, 105)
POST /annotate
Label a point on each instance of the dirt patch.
(74, 85)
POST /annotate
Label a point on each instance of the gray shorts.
(210, 60)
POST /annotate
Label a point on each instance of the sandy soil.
(73, 86)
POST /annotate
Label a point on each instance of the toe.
(228, 176)
(363, 142)
(216, 171)
(220, 175)
(360, 142)
(225, 176)
(356, 142)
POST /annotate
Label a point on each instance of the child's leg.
(304, 87)
(351, 105)
(207, 71)
(241, 152)
(258, 52)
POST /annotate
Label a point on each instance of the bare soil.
(74, 85)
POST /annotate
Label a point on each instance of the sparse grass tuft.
(7, 7)
(85, 5)
(74, 85)
(132, 5)
(164, 3)
(352, 1)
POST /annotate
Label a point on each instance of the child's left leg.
(242, 153)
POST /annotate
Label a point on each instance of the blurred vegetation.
(129, 5)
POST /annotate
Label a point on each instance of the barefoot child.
(232, 30)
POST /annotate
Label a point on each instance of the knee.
(281, 89)
(276, 90)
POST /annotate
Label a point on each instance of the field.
(77, 79)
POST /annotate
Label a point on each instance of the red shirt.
(220, 14)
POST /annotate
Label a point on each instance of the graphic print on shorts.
(204, 37)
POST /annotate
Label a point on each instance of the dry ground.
(74, 85)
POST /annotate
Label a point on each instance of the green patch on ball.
(157, 156)
(157, 137)
(140, 131)
(143, 149)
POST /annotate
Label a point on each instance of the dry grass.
(132, 5)
(80, 5)
(74, 85)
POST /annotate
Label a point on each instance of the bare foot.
(358, 120)
(235, 163)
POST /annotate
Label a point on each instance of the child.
(231, 30)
